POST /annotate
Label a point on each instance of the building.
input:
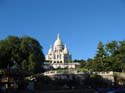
(58, 55)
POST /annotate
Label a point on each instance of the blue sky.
(81, 23)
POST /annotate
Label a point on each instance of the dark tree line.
(109, 57)
(24, 53)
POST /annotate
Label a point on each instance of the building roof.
(58, 41)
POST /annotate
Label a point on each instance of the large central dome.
(58, 43)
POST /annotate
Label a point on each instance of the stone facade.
(58, 55)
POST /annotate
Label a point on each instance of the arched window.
(54, 56)
(60, 56)
(57, 56)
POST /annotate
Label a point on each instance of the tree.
(122, 53)
(4, 54)
(32, 51)
(89, 64)
(24, 65)
(24, 51)
(115, 54)
(32, 63)
(99, 60)
(82, 63)
(112, 48)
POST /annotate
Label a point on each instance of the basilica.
(58, 55)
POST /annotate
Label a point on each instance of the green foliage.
(32, 63)
(24, 51)
(24, 65)
(82, 62)
(109, 57)
(99, 61)
(89, 64)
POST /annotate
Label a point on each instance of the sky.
(81, 23)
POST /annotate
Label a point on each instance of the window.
(57, 56)
(60, 56)
(54, 56)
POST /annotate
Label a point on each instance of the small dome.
(50, 50)
(65, 50)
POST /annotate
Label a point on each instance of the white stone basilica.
(58, 55)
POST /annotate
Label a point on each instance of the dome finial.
(58, 36)
(65, 46)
